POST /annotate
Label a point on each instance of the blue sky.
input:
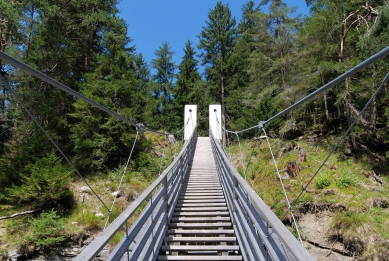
(152, 22)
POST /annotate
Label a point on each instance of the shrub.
(47, 230)
(46, 185)
(345, 181)
(323, 181)
(3, 254)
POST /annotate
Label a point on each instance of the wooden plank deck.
(201, 227)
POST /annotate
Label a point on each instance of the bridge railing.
(261, 235)
(143, 239)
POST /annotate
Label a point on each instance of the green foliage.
(45, 185)
(3, 254)
(216, 44)
(48, 230)
(347, 180)
(85, 216)
(116, 238)
(161, 107)
(322, 181)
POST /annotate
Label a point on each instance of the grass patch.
(347, 180)
(341, 181)
(323, 181)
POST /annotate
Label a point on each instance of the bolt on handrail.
(261, 235)
(144, 238)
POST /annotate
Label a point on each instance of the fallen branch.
(372, 153)
(19, 214)
(378, 179)
(332, 247)
(337, 250)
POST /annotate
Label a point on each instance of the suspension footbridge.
(200, 207)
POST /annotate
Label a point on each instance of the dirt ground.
(316, 240)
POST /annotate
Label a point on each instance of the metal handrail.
(144, 238)
(261, 235)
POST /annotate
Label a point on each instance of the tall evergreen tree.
(188, 78)
(64, 39)
(143, 78)
(99, 140)
(162, 108)
(272, 62)
(216, 43)
(239, 106)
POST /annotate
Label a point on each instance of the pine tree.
(101, 141)
(142, 95)
(161, 106)
(188, 78)
(273, 60)
(216, 43)
(239, 106)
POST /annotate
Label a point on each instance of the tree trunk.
(222, 109)
(30, 25)
(349, 114)
(3, 43)
(325, 102)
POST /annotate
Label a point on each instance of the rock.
(87, 241)
(116, 194)
(15, 255)
(85, 189)
(68, 252)
(338, 206)
(379, 202)
(133, 195)
(329, 192)
(171, 139)
(290, 131)
(103, 255)
(98, 214)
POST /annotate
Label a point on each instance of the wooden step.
(222, 204)
(200, 213)
(200, 185)
(202, 209)
(200, 225)
(199, 219)
(200, 200)
(201, 197)
(202, 188)
(201, 232)
(199, 257)
(200, 248)
(202, 194)
(200, 239)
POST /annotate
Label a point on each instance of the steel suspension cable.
(282, 184)
(121, 179)
(14, 62)
(369, 61)
(386, 79)
(13, 93)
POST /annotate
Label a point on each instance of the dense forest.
(254, 68)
